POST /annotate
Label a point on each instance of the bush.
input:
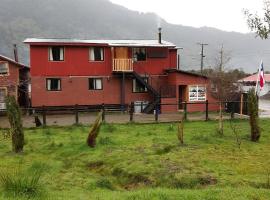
(22, 185)
(105, 184)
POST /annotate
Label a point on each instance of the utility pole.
(221, 58)
(202, 55)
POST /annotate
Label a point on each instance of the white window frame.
(7, 66)
(135, 58)
(48, 85)
(196, 97)
(92, 54)
(95, 79)
(62, 54)
(3, 104)
(134, 85)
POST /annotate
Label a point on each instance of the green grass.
(145, 162)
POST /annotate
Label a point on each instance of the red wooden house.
(66, 72)
(14, 79)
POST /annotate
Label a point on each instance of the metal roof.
(253, 78)
(13, 61)
(128, 43)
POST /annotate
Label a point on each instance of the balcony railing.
(122, 65)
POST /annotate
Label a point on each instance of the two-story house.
(66, 72)
(14, 80)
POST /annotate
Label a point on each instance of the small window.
(53, 84)
(139, 54)
(197, 93)
(3, 94)
(56, 53)
(138, 87)
(96, 54)
(95, 84)
(3, 68)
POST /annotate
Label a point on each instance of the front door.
(182, 96)
(121, 53)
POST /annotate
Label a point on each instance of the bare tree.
(223, 87)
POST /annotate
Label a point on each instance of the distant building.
(14, 80)
(65, 72)
(249, 82)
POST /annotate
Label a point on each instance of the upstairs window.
(4, 68)
(139, 54)
(138, 87)
(95, 84)
(96, 54)
(53, 84)
(56, 53)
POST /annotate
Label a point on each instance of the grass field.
(134, 161)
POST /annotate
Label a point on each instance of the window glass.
(197, 93)
(56, 53)
(95, 84)
(2, 95)
(138, 87)
(96, 54)
(53, 84)
(139, 54)
(3, 68)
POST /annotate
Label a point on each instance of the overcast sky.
(222, 14)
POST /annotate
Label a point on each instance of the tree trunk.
(220, 119)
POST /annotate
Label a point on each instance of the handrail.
(122, 65)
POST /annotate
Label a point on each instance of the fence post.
(44, 116)
(103, 112)
(156, 113)
(141, 106)
(206, 110)
(185, 110)
(232, 110)
(131, 112)
(76, 114)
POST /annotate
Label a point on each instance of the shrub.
(21, 184)
(15, 121)
(105, 184)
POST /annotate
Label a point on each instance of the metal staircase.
(152, 105)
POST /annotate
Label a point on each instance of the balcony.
(122, 65)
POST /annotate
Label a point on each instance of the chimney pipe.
(15, 50)
(159, 35)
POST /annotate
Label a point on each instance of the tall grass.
(22, 184)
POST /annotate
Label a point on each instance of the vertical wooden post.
(206, 110)
(156, 113)
(103, 112)
(232, 110)
(76, 114)
(44, 116)
(141, 106)
(241, 104)
(131, 112)
(185, 110)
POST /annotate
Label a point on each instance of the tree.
(222, 84)
(15, 121)
(253, 116)
(261, 25)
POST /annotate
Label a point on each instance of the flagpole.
(258, 76)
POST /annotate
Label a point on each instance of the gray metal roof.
(129, 43)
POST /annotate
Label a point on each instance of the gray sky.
(222, 14)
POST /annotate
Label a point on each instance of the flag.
(261, 75)
(261, 83)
